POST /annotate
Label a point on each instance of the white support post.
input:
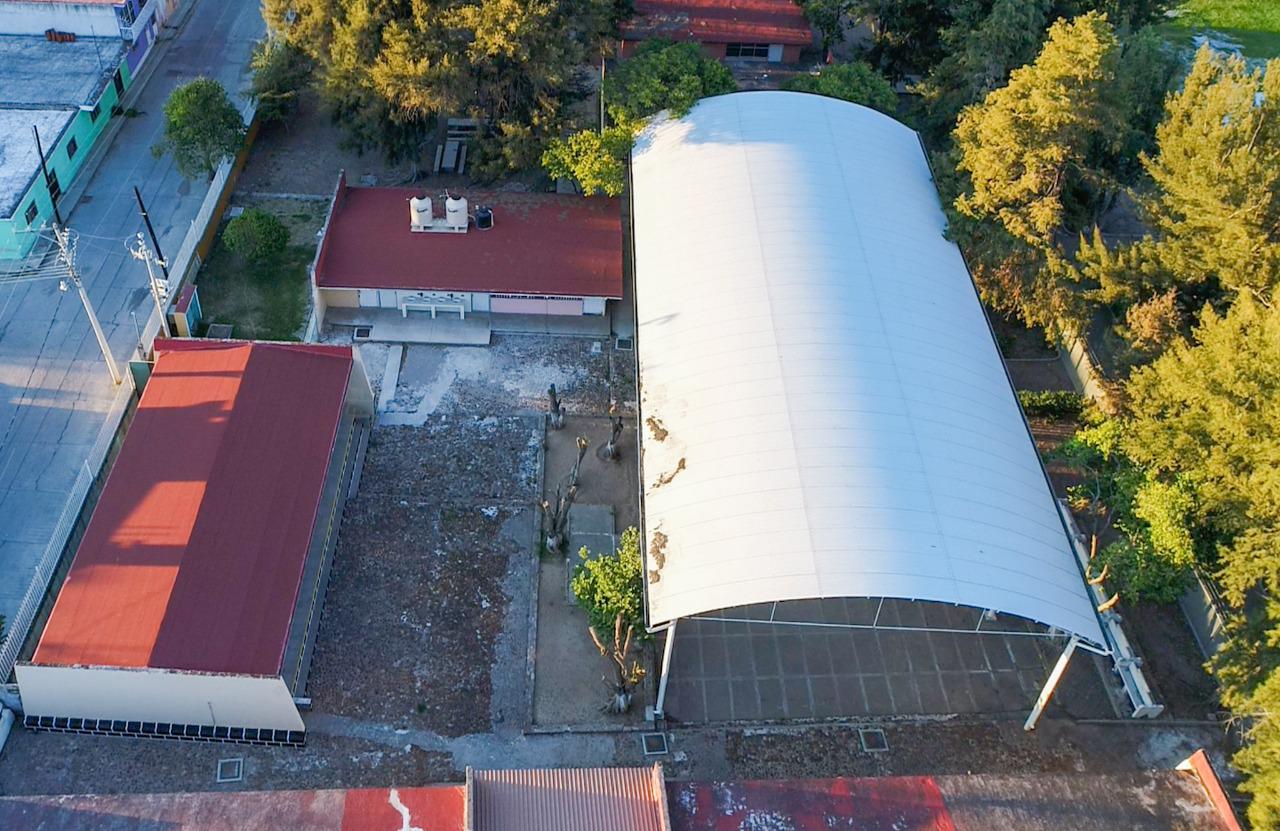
(1059, 669)
(666, 670)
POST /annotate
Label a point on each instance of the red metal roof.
(194, 553)
(434, 808)
(720, 21)
(541, 243)
(590, 799)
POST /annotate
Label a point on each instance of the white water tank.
(455, 212)
(420, 211)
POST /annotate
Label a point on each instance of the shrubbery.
(256, 235)
(1051, 403)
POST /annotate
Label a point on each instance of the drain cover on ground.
(654, 744)
(625, 344)
(230, 770)
(873, 740)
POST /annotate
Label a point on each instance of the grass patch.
(264, 301)
(1254, 23)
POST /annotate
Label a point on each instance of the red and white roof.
(720, 21)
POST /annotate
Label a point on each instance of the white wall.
(593, 305)
(775, 52)
(157, 695)
(18, 18)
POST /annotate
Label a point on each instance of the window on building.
(31, 214)
(55, 188)
(119, 84)
(72, 147)
(95, 112)
(746, 50)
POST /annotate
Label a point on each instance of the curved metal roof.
(824, 409)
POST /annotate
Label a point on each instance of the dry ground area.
(432, 554)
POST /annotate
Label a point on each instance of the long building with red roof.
(761, 30)
(190, 605)
(407, 252)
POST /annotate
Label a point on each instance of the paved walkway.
(54, 387)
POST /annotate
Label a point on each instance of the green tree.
(828, 19)
(856, 82)
(256, 235)
(201, 128)
(1206, 415)
(906, 35)
(610, 585)
(1027, 143)
(663, 76)
(389, 70)
(280, 74)
(660, 76)
(1216, 202)
(985, 42)
(596, 162)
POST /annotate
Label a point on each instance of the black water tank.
(484, 217)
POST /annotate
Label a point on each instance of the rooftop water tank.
(455, 212)
(420, 211)
(484, 217)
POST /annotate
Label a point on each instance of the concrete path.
(54, 387)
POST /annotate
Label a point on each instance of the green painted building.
(66, 90)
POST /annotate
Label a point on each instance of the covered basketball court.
(844, 512)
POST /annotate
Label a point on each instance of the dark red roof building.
(191, 594)
(512, 253)
(761, 30)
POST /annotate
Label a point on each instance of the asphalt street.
(55, 390)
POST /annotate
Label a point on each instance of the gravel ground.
(419, 590)
(35, 763)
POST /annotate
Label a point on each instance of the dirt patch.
(960, 748)
(419, 593)
(1171, 660)
(304, 155)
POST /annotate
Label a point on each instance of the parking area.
(806, 665)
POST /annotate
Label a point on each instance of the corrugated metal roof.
(720, 21)
(591, 799)
(825, 410)
(195, 551)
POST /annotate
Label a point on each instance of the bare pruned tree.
(615, 420)
(555, 515)
(583, 444)
(627, 671)
(557, 408)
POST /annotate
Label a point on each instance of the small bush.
(856, 82)
(1051, 403)
(610, 584)
(256, 235)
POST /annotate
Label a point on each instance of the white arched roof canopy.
(824, 410)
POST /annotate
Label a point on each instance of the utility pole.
(159, 289)
(155, 243)
(66, 253)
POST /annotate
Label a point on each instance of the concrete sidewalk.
(55, 391)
